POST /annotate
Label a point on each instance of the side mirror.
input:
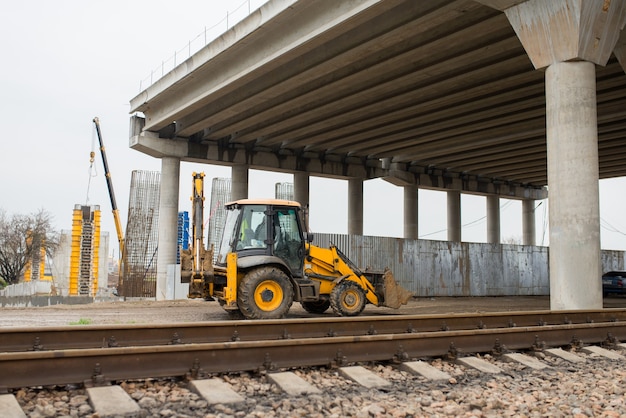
(309, 237)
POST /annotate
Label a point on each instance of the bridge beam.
(328, 165)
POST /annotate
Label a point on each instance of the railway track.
(95, 355)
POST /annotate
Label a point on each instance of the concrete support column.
(528, 222)
(168, 223)
(355, 207)
(493, 219)
(454, 215)
(239, 182)
(301, 188)
(572, 145)
(301, 191)
(411, 212)
(569, 38)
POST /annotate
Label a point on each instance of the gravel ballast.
(593, 388)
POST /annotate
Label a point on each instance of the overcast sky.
(66, 61)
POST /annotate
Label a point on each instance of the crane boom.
(107, 173)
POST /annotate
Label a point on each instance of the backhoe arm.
(332, 266)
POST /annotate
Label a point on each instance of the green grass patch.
(82, 321)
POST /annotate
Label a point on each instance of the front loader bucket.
(395, 295)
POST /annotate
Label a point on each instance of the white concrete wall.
(36, 287)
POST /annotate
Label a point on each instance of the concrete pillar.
(355, 207)
(301, 188)
(454, 216)
(493, 219)
(570, 37)
(528, 222)
(301, 192)
(572, 145)
(239, 182)
(411, 212)
(168, 223)
(620, 49)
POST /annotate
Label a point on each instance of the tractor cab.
(266, 261)
(264, 232)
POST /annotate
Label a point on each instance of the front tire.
(265, 293)
(347, 299)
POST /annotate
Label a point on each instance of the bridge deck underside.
(435, 86)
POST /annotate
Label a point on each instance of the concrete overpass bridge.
(494, 97)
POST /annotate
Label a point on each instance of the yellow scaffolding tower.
(35, 266)
(85, 251)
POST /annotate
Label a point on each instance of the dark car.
(614, 282)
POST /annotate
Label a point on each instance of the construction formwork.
(138, 262)
(85, 251)
(284, 191)
(220, 195)
(34, 269)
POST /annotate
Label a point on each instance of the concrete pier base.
(572, 145)
(168, 222)
(410, 212)
(355, 207)
(239, 185)
(454, 216)
(493, 219)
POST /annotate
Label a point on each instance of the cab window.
(288, 238)
(253, 228)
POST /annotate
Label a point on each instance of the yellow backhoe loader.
(266, 261)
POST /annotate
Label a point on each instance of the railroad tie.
(565, 355)
(112, 401)
(216, 391)
(10, 407)
(363, 377)
(292, 384)
(479, 364)
(527, 361)
(425, 370)
(594, 349)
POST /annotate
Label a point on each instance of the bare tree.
(20, 237)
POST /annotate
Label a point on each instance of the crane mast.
(107, 173)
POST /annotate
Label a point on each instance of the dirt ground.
(144, 311)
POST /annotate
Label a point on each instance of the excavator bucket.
(395, 295)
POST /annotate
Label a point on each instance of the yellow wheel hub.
(350, 299)
(268, 295)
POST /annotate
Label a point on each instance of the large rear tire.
(317, 307)
(265, 293)
(347, 299)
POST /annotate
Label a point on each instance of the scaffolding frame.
(220, 195)
(284, 191)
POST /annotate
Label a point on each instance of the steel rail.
(97, 366)
(99, 336)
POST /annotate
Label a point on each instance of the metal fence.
(441, 268)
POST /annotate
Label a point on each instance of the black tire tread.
(249, 283)
(336, 295)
